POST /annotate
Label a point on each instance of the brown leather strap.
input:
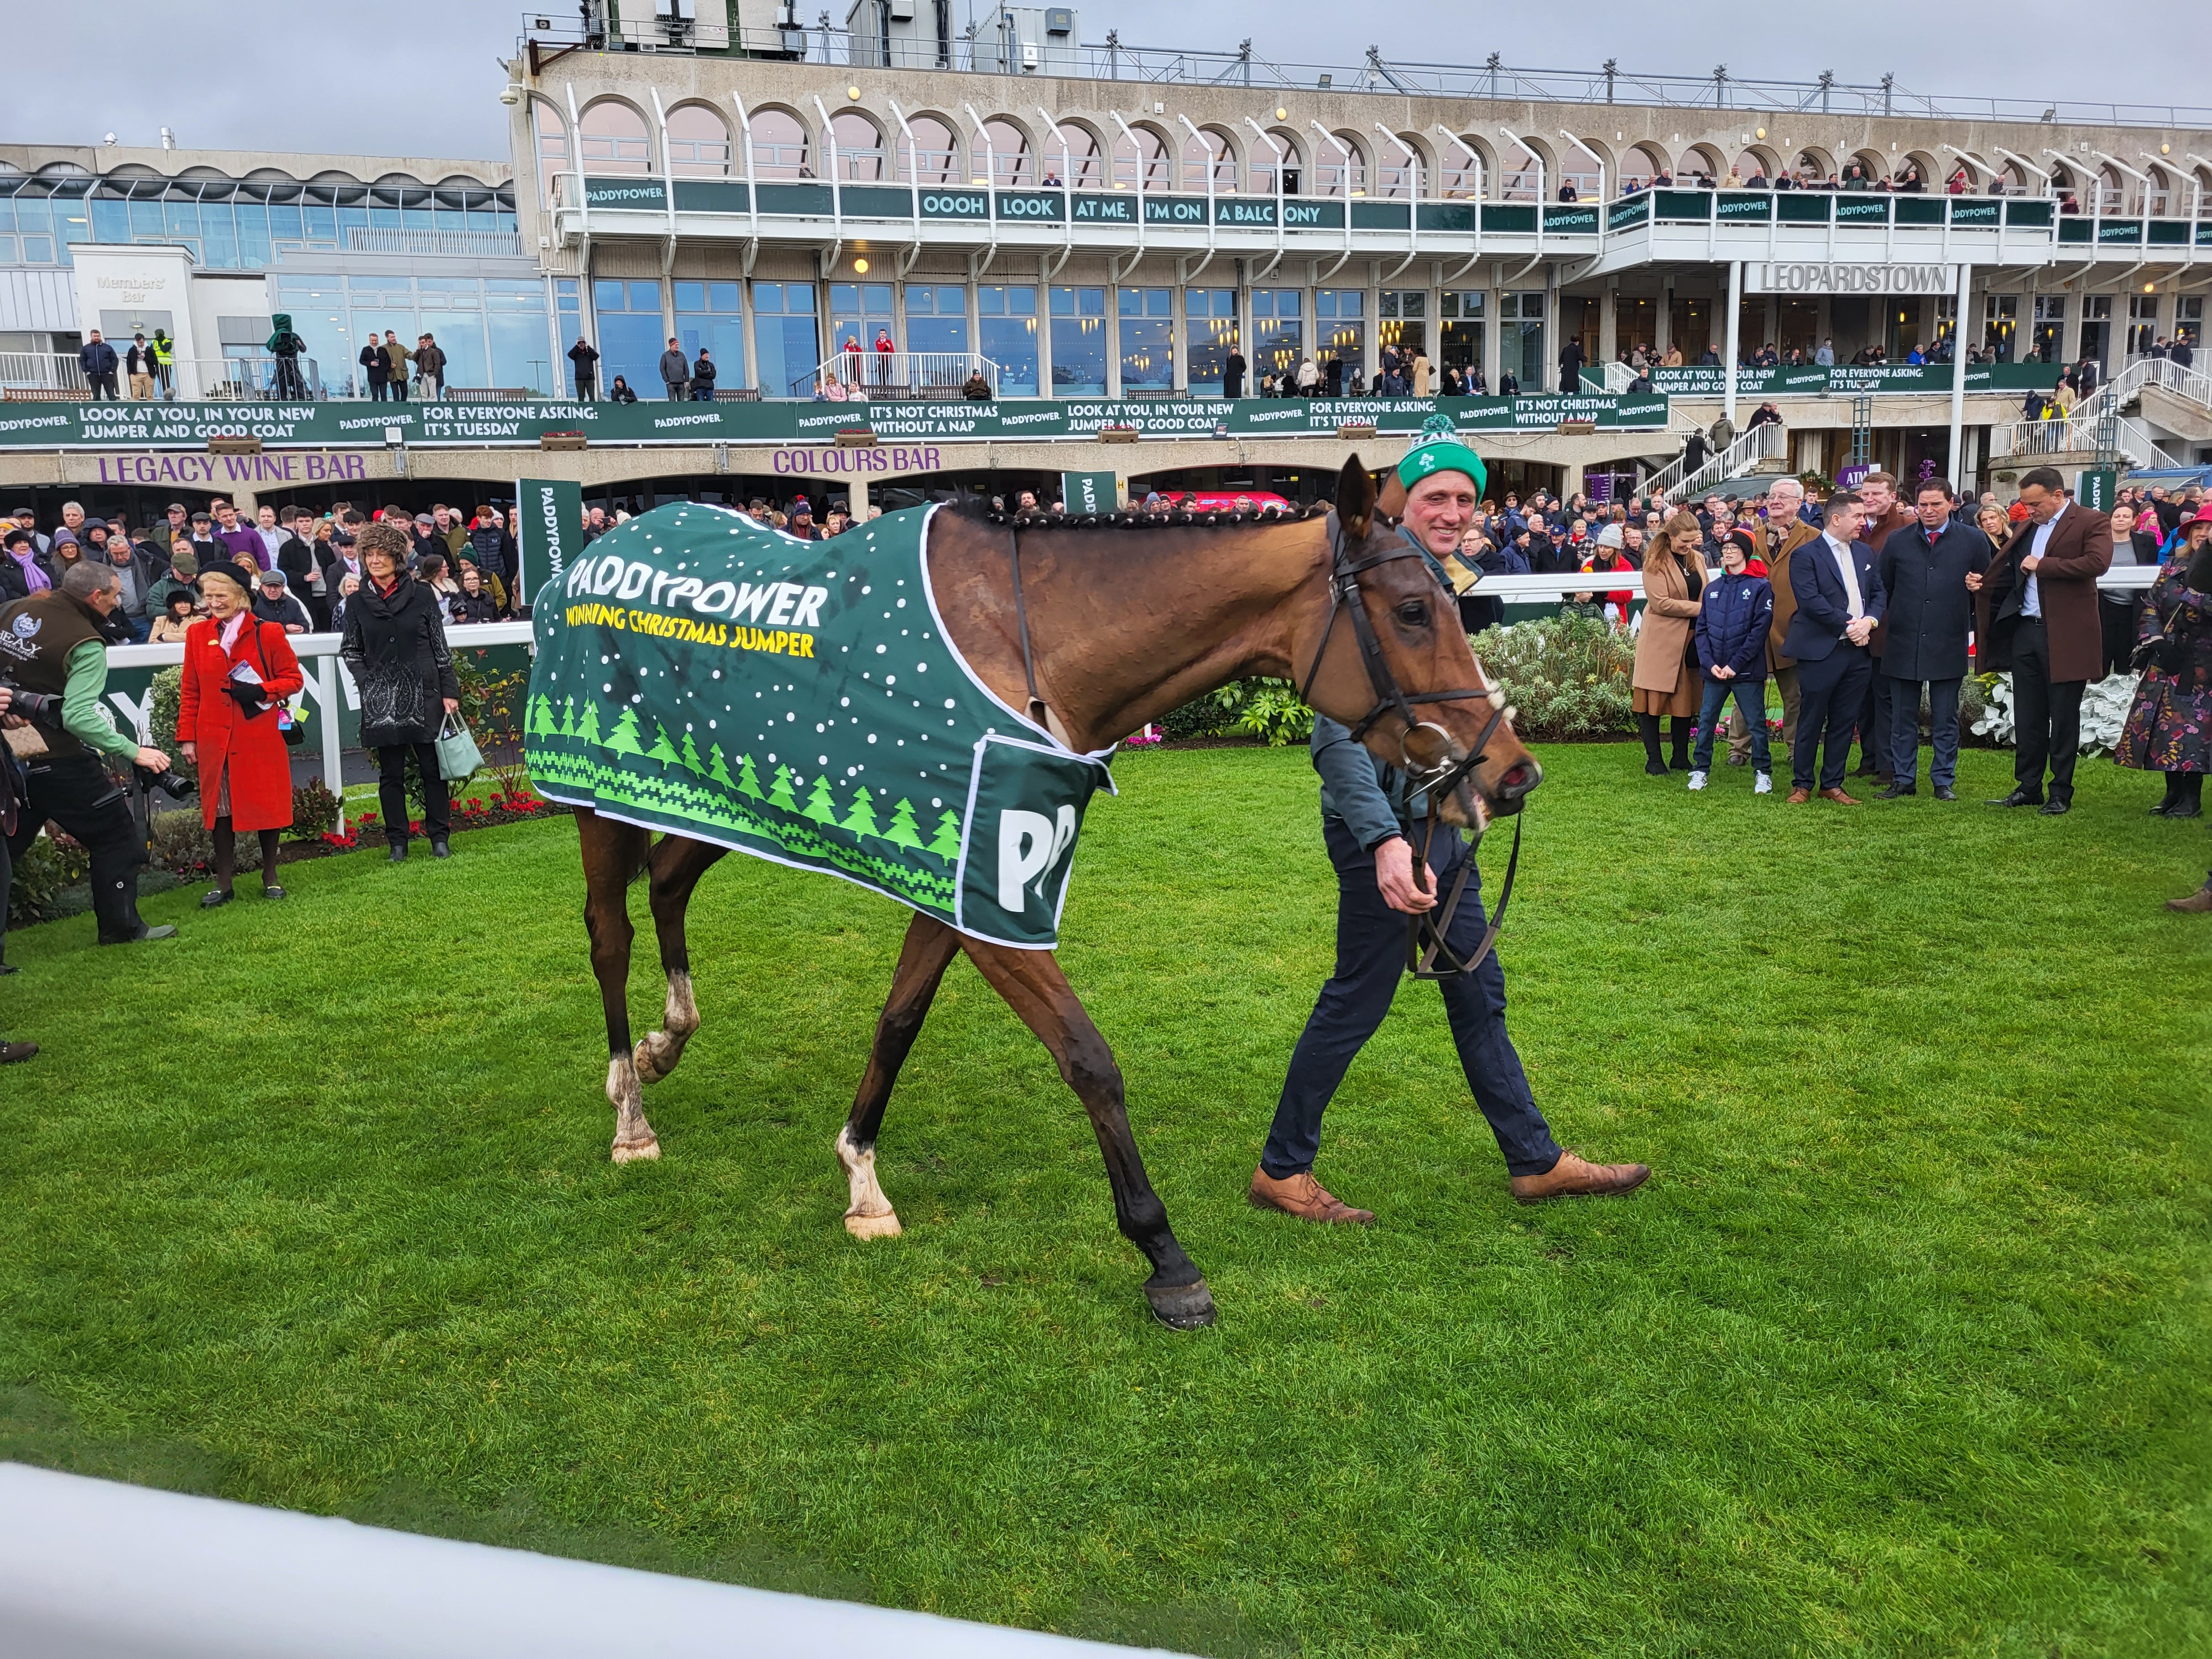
(1021, 623)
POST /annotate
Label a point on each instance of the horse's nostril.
(1519, 779)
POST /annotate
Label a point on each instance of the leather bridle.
(1429, 955)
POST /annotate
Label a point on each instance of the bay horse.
(1122, 625)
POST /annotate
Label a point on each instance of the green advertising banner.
(2095, 487)
(1091, 492)
(550, 514)
(137, 432)
(1812, 380)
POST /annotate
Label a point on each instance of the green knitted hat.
(1438, 449)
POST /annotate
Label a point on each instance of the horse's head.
(1422, 652)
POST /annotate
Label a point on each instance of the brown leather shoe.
(2196, 903)
(1798, 797)
(1574, 1176)
(1302, 1196)
(1839, 797)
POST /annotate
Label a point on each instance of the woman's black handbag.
(293, 732)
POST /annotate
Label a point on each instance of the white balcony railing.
(41, 372)
(1681, 483)
(864, 375)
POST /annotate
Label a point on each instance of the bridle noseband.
(1428, 953)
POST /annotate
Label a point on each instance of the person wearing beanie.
(239, 672)
(394, 646)
(1367, 810)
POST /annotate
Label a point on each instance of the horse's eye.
(1413, 614)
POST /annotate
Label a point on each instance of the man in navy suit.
(1839, 602)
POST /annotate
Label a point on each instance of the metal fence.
(896, 374)
(1715, 89)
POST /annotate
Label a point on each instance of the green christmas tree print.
(862, 820)
(903, 831)
(819, 805)
(568, 716)
(625, 740)
(540, 723)
(945, 843)
(779, 792)
(691, 756)
(719, 771)
(588, 727)
(748, 780)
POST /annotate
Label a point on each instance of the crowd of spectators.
(302, 564)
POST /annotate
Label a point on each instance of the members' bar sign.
(1841, 276)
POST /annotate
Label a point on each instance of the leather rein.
(1429, 953)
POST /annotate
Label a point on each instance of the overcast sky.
(418, 77)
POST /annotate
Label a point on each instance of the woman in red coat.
(237, 670)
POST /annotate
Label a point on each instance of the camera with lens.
(168, 783)
(32, 705)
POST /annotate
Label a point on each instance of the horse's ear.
(1355, 500)
(1390, 502)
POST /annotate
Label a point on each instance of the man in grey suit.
(1930, 570)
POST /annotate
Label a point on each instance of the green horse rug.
(697, 673)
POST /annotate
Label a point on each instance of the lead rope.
(1021, 623)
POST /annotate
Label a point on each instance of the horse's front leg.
(1035, 988)
(677, 865)
(613, 853)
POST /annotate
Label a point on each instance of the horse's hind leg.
(677, 865)
(1035, 988)
(613, 854)
(930, 946)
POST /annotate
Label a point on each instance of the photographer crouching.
(53, 656)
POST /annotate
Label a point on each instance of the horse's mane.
(978, 510)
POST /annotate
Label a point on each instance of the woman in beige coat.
(1665, 680)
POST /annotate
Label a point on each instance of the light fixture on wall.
(861, 267)
(1281, 114)
(853, 93)
(510, 95)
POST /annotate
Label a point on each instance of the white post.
(1728, 363)
(1959, 379)
(327, 692)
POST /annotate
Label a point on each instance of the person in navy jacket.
(1929, 573)
(1840, 603)
(1733, 620)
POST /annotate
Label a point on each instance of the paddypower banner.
(132, 429)
(1812, 381)
(700, 674)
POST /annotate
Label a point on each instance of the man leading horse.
(1369, 811)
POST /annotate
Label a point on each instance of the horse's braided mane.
(1180, 517)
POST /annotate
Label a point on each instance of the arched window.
(1264, 164)
(2159, 196)
(1340, 169)
(1870, 163)
(1704, 164)
(780, 147)
(698, 142)
(1519, 178)
(1813, 167)
(1748, 165)
(1009, 160)
(553, 157)
(1394, 173)
(1458, 176)
(2111, 192)
(859, 148)
(614, 140)
(933, 158)
(1083, 165)
(1641, 167)
(1210, 150)
(1159, 168)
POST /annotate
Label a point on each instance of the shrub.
(1566, 677)
(167, 694)
(314, 809)
(49, 867)
(1265, 708)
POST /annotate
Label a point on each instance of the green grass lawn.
(1905, 1350)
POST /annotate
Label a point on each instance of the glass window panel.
(936, 333)
(608, 296)
(1078, 342)
(219, 236)
(37, 250)
(284, 222)
(721, 296)
(182, 219)
(1278, 342)
(111, 221)
(462, 339)
(320, 222)
(1147, 353)
(253, 250)
(690, 297)
(146, 220)
(630, 344)
(789, 351)
(1010, 341)
(1209, 336)
(35, 214)
(646, 297)
(351, 217)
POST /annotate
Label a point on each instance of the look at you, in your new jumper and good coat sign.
(700, 674)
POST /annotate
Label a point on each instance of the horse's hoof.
(1181, 1307)
(631, 1154)
(885, 1226)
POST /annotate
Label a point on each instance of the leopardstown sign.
(1841, 276)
